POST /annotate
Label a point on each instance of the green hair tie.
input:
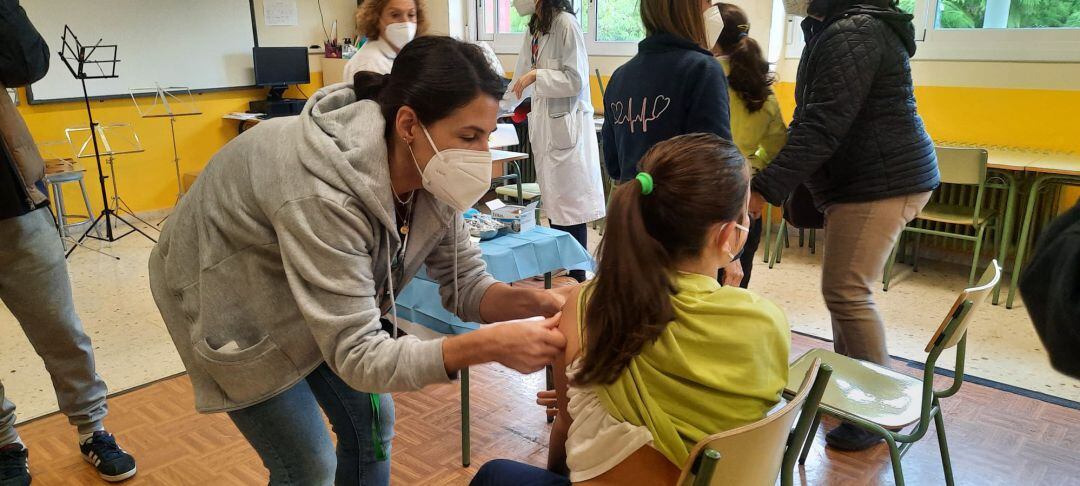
(646, 182)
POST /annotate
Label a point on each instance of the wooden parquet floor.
(996, 438)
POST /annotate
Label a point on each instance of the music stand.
(124, 140)
(170, 103)
(78, 58)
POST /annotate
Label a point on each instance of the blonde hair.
(679, 17)
(368, 14)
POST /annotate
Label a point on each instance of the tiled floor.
(133, 348)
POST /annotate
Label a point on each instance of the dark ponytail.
(433, 75)
(699, 180)
(749, 76)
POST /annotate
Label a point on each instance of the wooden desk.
(242, 122)
(1049, 170)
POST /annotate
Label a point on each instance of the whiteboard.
(200, 44)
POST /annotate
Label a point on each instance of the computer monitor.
(278, 67)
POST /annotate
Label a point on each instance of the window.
(611, 27)
(986, 30)
(618, 21)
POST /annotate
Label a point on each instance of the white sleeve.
(563, 78)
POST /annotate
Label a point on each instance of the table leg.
(465, 443)
(549, 374)
(767, 230)
(1022, 243)
(549, 380)
(1007, 227)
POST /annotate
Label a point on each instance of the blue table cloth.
(509, 258)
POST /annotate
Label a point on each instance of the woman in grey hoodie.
(274, 271)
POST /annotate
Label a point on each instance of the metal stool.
(56, 181)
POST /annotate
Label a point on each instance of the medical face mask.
(525, 8)
(400, 34)
(714, 24)
(796, 7)
(457, 177)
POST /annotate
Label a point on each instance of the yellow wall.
(147, 181)
(1018, 118)
(1032, 119)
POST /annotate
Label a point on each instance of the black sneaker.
(13, 468)
(112, 463)
(848, 437)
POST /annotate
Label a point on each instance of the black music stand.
(78, 58)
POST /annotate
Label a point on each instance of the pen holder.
(332, 51)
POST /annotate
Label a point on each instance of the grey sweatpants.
(34, 286)
(858, 240)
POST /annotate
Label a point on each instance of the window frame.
(511, 43)
(980, 45)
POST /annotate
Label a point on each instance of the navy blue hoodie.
(671, 87)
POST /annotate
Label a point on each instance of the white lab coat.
(561, 129)
(376, 56)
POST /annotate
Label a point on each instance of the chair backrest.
(966, 303)
(962, 165)
(752, 454)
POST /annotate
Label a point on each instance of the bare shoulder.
(568, 324)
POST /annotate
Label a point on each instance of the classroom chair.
(959, 167)
(754, 454)
(774, 248)
(883, 401)
(529, 192)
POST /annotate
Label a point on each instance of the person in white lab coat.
(552, 68)
(388, 26)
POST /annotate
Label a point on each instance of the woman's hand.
(548, 400)
(733, 274)
(757, 205)
(557, 297)
(525, 346)
(527, 80)
(528, 345)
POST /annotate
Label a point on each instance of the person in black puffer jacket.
(856, 141)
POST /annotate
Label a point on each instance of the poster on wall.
(280, 12)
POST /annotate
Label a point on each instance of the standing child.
(757, 126)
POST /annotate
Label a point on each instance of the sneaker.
(112, 463)
(13, 468)
(848, 437)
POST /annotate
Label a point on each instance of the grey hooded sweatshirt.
(276, 261)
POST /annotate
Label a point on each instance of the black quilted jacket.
(855, 135)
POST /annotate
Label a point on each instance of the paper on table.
(280, 12)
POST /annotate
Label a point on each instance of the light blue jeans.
(291, 438)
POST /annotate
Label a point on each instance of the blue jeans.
(504, 472)
(291, 438)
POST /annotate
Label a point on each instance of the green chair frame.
(702, 466)
(959, 166)
(774, 247)
(951, 333)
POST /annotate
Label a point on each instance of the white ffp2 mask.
(457, 177)
(400, 34)
(525, 7)
(796, 7)
(714, 24)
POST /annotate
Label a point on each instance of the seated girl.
(658, 354)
